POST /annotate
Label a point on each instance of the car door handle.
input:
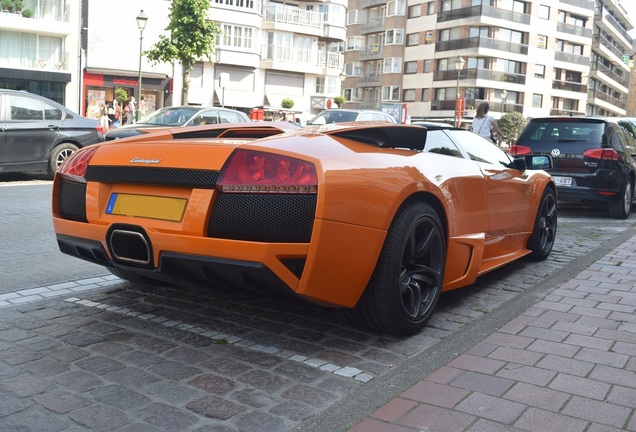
(53, 127)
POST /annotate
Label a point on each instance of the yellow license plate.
(152, 207)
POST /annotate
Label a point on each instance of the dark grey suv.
(593, 158)
(38, 134)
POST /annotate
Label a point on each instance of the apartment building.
(79, 52)
(39, 49)
(535, 57)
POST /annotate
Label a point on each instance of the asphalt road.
(188, 359)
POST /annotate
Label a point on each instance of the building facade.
(534, 57)
(530, 56)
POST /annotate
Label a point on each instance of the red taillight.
(252, 171)
(74, 167)
(602, 153)
(519, 150)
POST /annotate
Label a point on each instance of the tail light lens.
(602, 153)
(251, 171)
(520, 150)
(75, 166)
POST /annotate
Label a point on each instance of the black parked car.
(178, 116)
(593, 158)
(37, 134)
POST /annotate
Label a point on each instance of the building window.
(427, 65)
(355, 43)
(542, 41)
(412, 39)
(392, 65)
(568, 47)
(409, 95)
(415, 11)
(396, 7)
(425, 95)
(353, 17)
(544, 12)
(537, 100)
(430, 10)
(394, 37)
(239, 4)
(320, 85)
(236, 36)
(539, 71)
(410, 67)
(391, 93)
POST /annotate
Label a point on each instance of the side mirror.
(538, 162)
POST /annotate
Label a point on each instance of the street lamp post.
(142, 18)
(459, 102)
(504, 97)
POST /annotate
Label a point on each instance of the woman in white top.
(484, 124)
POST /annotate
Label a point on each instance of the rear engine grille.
(263, 217)
(175, 177)
(213, 133)
(72, 200)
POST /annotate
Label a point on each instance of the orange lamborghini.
(373, 219)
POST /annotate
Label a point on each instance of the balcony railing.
(374, 25)
(373, 52)
(585, 4)
(294, 16)
(479, 73)
(481, 42)
(571, 58)
(370, 78)
(597, 38)
(488, 11)
(597, 94)
(574, 30)
(307, 57)
(569, 86)
(621, 79)
(601, 14)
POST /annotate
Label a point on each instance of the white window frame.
(391, 93)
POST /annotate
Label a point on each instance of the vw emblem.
(555, 152)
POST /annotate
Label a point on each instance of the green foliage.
(511, 125)
(339, 101)
(287, 103)
(192, 38)
(121, 96)
(18, 4)
(27, 13)
(6, 3)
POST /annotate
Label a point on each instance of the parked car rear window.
(562, 132)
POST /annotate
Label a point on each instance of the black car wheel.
(545, 225)
(621, 208)
(59, 155)
(407, 281)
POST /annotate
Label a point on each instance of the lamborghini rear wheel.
(407, 281)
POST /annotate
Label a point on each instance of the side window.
(365, 117)
(438, 142)
(25, 108)
(206, 118)
(229, 117)
(51, 112)
(479, 149)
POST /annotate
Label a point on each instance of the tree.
(287, 103)
(511, 125)
(339, 101)
(192, 37)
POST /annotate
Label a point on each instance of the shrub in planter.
(27, 13)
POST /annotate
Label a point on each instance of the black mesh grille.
(263, 217)
(213, 133)
(202, 179)
(72, 201)
(295, 265)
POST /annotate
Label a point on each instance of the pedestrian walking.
(485, 125)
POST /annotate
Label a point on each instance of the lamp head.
(142, 18)
(459, 62)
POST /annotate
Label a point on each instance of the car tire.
(622, 207)
(407, 281)
(543, 234)
(59, 155)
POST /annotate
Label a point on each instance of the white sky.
(630, 7)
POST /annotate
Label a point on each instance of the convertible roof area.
(377, 134)
(387, 136)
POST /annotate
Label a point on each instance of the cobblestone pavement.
(102, 354)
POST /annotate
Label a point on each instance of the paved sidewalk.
(568, 363)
